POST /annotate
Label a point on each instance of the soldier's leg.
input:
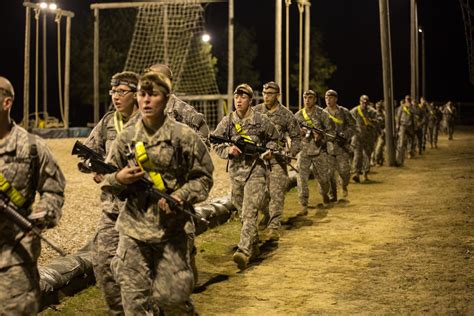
(253, 198)
(131, 267)
(304, 167)
(105, 248)
(435, 137)
(19, 290)
(265, 210)
(401, 145)
(278, 184)
(344, 169)
(322, 173)
(333, 167)
(237, 196)
(173, 280)
(358, 158)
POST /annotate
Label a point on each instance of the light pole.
(423, 63)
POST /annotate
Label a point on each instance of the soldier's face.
(270, 96)
(125, 100)
(331, 100)
(242, 102)
(151, 103)
(309, 100)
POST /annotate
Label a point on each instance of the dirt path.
(403, 245)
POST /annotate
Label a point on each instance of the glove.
(42, 219)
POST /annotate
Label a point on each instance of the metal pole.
(387, 78)
(300, 70)
(423, 64)
(230, 58)
(165, 35)
(67, 72)
(287, 54)
(413, 64)
(417, 55)
(96, 66)
(45, 69)
(306, 46)
(26, 70)
(278, 50)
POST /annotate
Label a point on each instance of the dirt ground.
(403, 245)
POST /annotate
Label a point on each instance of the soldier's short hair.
(272, 85)
(331, 92)
(245, 89)
(128, 78)
(160, 68)
(154, 78)
(364, 97)
(310, 92)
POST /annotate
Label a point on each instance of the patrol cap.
(331, 92)
(310, 92)
(245, 89)
(272, 85)
(150, 79)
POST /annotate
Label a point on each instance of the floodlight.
(206, 37)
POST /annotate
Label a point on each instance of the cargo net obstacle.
(172, 34)
(467, 9)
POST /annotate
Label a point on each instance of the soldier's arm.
(222, 150)
(350, 127)
(50, 186)
(117, 158)
(96, 139)
(199, 175)
(294, 134)
(271, 134)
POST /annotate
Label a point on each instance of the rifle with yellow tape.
(11, 201)
(95, 163)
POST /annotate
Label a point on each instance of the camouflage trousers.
(155, 278)
(320, 169)
(433, 134)
(248, 197)
(105, 247)
(19, 290)
(380, 148)
(405, 136)
(275, 195)
(363, 147)
(342, 164)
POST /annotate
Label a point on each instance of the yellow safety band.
(307, 118)
(147, 165)
(336, 120)
(11, 192)
(361, 114)
(406, 110)
(242, 133)
(118, 121)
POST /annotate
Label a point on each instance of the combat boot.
(303, 211)
(366, 176)
(241, 259)
(356, 178)
(273, 234)
(264, 222)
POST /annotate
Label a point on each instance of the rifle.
(248, 148)
(95, 162)
(11, 212)
(337, 138)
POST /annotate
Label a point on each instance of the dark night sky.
(351, 39)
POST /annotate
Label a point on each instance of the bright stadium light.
(53, 6)
(420, 30)
(206, 38)
(43, 5)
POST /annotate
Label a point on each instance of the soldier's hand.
(234, 151)
(98, 178)
(303, 131)
(266, 155)
(42, 219)
(129, 175)
(163, 204)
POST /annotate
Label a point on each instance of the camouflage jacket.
(286, 125)
(405, 116)
(100, 140)
(367, 121)
(345, 126)
(260, 129)
(319, 119)
(449, 112)
(186, 168)
(28, 174)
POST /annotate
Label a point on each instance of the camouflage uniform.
(152, 264)
(286, 125)
(340, 154)
(19, 279)
(247, 173)
(449, 113)
(405, 127)
(107, 237)
(314, 154)
(433, 125)
(364, 139)
(420, 119)
(380, 144)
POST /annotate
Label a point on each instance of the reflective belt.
(242, 133)
(307, 118)
(361, 114)
(336, 120)
(11, 192)
(147, 165)
(118, 121)
(406, 110)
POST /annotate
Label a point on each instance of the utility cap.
(272, 85)
(331, 92)
(245, 89)
(310, 92)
